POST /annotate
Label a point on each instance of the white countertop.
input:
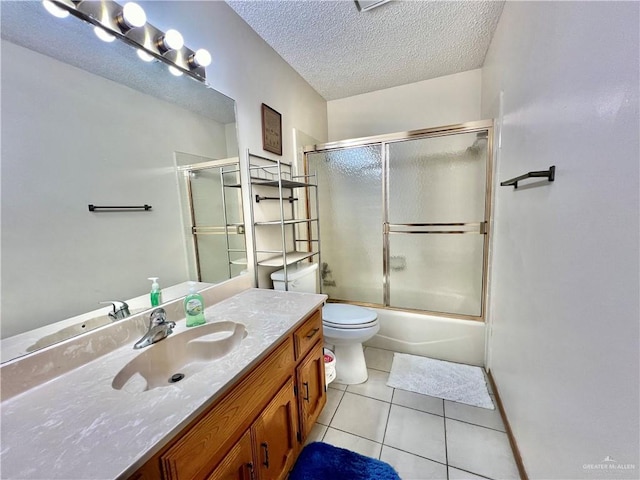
(77, 426)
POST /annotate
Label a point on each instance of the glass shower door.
(216, 223)
(350, 189)
(435, 226)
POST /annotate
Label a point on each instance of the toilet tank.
(302, 277)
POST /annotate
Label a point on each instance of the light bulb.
(133, 15)
(175, 71)
(54, 9)
(202, 58)
(103, 35)
(142, 55)
(172, 40)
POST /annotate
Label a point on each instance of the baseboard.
(512, 440)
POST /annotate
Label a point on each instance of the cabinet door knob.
(265, 447)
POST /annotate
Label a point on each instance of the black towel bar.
(96, 208)
(549, 174)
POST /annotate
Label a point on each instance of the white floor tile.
(480, 450)
(416, 432)
(412, 467)
(455, 474)
(337, 386)
(362, 416)
(354, 443)
(476, 415)
(424, 403)
(316, 434)
(378, 359)
(374, 387)
(333, 400)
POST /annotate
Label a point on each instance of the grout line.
(476, 425)
(367, 396)
(384, 435)
(418, 410)
(355, 435)
(472, 473)
(446, 447)
(415, 455)
(336, 410)
(378, 369)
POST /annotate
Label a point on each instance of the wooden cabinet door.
(312, 393)
(238, 463)
(275, 435)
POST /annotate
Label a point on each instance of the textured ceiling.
(342, 52)
(72, 41)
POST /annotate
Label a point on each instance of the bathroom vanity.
(243, 415)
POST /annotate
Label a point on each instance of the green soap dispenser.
(156, 293)
(194, 307)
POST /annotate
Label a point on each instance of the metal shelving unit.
(298, 228)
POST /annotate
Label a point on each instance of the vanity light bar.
(129, 24)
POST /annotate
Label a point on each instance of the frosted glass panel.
(438, 179)
(436, 272)
(212, 250)
(207, 197)
(350, 195)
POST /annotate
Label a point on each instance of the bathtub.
(461, 341)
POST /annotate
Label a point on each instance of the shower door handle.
(435, 228)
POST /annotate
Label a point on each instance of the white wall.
(565, 290)
(440, 101)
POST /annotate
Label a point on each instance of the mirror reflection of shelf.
(291, 258)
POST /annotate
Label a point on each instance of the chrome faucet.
(159, 328)
(120, 310)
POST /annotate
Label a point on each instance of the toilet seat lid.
(343, 314)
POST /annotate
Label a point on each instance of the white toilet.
(345, 326)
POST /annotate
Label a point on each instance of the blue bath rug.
(321, 461)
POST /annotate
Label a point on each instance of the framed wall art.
(271, 130)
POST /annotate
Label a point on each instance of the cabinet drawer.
(203, 446)
(308, 334)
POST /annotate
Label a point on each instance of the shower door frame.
(484, 227)
(226, 229)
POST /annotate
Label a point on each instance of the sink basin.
(179, 356)
(73, 330)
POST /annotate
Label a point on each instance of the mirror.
(87, 122)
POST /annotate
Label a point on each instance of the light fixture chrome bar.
(104, 14)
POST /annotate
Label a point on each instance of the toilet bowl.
(345, 326)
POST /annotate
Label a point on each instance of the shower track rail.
(388, 228)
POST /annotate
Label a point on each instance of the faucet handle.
(157, 317)
(120, 309)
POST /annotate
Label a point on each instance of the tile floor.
(422, 437)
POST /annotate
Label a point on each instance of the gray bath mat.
(437, 378)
